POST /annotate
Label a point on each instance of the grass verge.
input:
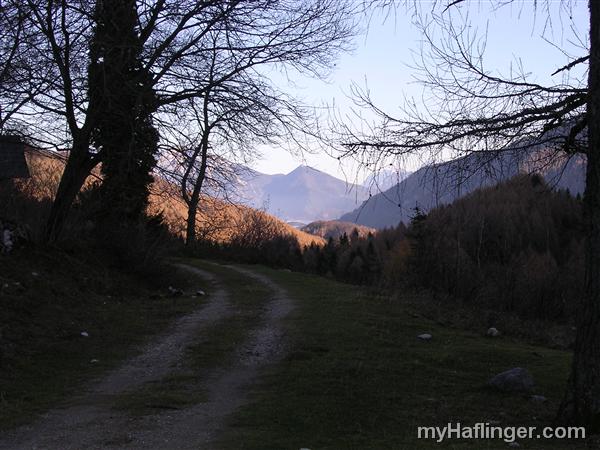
(358, 377)
(47, 299)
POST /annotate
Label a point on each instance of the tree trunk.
(77, 169)
(581, 404)
(190, 235)
(190, 232)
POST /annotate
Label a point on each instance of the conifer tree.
(123, 90)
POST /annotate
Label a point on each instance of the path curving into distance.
(90, 422)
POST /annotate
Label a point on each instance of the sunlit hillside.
(217, 220)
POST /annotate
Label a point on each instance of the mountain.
(335, 229)
(440, 184)
(382, 180)
(303, 195)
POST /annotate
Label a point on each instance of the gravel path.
(90, 422)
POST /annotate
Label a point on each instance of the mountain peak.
(305, 194)
(303, 168)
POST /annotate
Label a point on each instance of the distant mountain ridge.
(303, 195)
(382, 180)
(442, 183)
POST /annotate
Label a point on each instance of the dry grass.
(217, 220)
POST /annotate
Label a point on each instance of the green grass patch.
(358, 378)
(47, 299)
(216, 344)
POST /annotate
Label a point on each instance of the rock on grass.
(513, 380)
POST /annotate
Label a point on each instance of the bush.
(23, 210)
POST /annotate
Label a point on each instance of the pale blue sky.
(383, 57)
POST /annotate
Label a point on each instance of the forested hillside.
(515, 247)
(439, 271)
(335, 229)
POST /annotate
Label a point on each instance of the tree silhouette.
(124, 133)
(479, 112)
(173, 48)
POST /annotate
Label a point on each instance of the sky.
(532, 34)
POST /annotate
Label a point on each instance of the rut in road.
(90, 422)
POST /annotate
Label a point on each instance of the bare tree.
(255, 228)
(15, 86)
(217, 125)
(240, 106)
(474, 110)
(470, 108)
(175, 36)
(582, 400)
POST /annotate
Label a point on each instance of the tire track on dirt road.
(90, 422)
(201, 425)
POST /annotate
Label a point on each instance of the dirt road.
(90, 421)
